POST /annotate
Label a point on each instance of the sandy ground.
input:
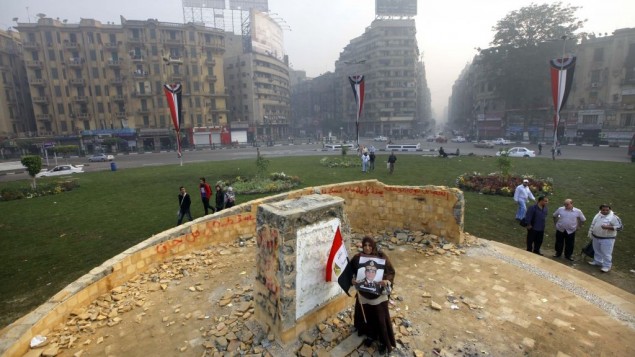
(491, 304)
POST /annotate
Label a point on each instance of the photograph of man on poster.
(370, 272)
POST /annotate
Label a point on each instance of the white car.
(101, 157)
(501, 141)
(517, 152)
(380, 138)
(60, 170)
(458, 139)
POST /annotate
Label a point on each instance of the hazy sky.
(447, 31)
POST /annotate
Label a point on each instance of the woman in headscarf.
(372, 317)
(603, 231)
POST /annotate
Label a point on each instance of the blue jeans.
(522, 209)
(182, 215)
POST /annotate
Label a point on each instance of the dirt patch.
(447, 302)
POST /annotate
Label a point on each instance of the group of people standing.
(368, 160)
(223, 199)
(568, 220)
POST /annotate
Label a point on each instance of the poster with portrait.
(369, 273)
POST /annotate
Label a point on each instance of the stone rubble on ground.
(232, 333)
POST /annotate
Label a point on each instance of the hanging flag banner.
(561, 82)
(338, 258)
(173, 95)
(357, 83)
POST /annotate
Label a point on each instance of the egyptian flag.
(338, 258)
(561, 83)
(357, 83)
(173, 95)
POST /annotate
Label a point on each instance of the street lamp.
(341, 133)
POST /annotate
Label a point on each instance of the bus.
(403, 147)
(631, 149)
(337, 146)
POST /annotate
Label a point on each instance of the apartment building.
(387, 54)
(16, 114)
(601, 106)
(93, 80)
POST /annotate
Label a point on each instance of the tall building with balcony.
(258, 83)
(16, 114)
(91, 79)
(396, 93)
(601, 105)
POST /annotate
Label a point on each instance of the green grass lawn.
(48, 242)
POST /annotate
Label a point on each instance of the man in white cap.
(521, 196)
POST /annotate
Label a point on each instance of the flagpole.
(555, 129)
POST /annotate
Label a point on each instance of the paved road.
(10, 170)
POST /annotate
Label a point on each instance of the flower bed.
(43, 189)
(275, 182)
(497, 184)
(341, 161)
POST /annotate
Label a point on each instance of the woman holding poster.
(373, 278)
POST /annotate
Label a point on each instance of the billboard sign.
(262, 5)
(266, 35)
(209, 4)
(395, 7)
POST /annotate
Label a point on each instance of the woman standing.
(372, 317)
(603, 231)
(220, 198)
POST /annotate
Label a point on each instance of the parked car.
(441, 139)
(517, 152)
(501, 141)
(484, 144)
(429, 138)
(101, 157)
(380, 138)
(60, 170)
(458, 139)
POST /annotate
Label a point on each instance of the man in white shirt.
(521, 196)
(568, 220)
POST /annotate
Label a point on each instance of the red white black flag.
(561, 82)
(357, 83)
(338, 258)
(173, 95)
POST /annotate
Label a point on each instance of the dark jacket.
(536, 217)
(184, 202)
(392, 158)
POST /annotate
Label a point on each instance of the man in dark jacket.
(391, 162)
(184, 205)
(535, 218)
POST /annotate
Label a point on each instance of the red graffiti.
(419, 191)
(364, 191)
(193, 237)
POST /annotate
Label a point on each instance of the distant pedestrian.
(442, 152)
(372, 159)
(230, 197)
(391, 162)
(535, 218)
(603, 231)
(365, 161)
(220, 198)
(539, 148)
(522, 194)
(558, 151)
(184, 206)
(206, 194)
(568, 220)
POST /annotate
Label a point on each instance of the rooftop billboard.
(266, 35)
(262, 5)
(210, 4)
(395, 7)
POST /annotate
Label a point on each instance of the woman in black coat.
(372, 317)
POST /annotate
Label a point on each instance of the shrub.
(340, 161)
(43, 189)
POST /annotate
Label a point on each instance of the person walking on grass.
(603, 231)
(536, 221)
(521, 196)
(184, 206)
(365, 161)
(230, 198)
(220, 198)
(391, 162)
(372, 159)
(568, 220)
(206, 194)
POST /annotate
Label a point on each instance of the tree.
(535, 24)
(33, 166)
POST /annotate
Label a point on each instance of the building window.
(98, 91)
(54, 73)
(146, 121)
(589, 119)
(598, 54)
(100, 107)
(52, 55)
(60, 108)
(628, 119)
(58, 91)
(63, 126)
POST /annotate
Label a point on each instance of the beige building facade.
(93, 80)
